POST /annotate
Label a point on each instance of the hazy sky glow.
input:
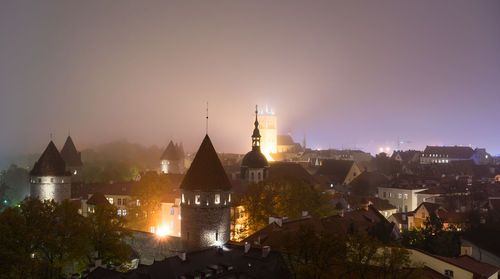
(345, 73)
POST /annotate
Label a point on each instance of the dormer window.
(197, 199)
(217, 198)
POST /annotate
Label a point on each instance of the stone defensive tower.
(49, 179)
(73, 160)
(172, 159)
(205, 201)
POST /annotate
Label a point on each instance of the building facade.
(404, 199)
(269, 132)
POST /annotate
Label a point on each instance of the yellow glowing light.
(162, 231)
(268, 156)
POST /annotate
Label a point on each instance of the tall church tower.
(254, 166)
(205, 201)
(49, 179)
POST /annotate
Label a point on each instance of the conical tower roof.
(206, 172)
(170, 152)
(50, 163)
(70, 155)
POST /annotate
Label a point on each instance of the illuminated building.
(49, 179)
(205, 201)
(172, 159)
(269, 133)
(170, 223)
(239, 224)
(254, 166)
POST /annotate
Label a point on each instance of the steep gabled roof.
(206, 171)
(336, 170)
(171, 152)
(289, 169)
(97, 198)
(50, 163)
(70, 155)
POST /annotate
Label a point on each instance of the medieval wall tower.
(205, 201)
(49, 179)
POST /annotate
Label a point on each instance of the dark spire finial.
(256, 123)
(206, 128)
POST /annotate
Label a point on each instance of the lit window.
(197, 199)
(119, 212)
(229, 198)
(138, 202)
(124, 212)
(172, 224)
(75, 172)
(217, 198)
(182, 198)
(110, 200)
(172, 211)
(405, 196)
(400, 196)
(331, 185)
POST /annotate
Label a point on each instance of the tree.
(14, 185)
(107, 233)
(283, 196)
(386, 165)
(433, 239)
(149, 191)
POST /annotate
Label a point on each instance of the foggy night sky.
(344, 73)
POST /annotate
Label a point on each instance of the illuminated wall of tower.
(268, 131)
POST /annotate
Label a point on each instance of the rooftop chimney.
(247, 247)
(182, 255)
(265, 251)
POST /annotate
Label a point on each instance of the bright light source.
(162, 231)
(268, 156)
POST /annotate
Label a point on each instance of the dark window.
(216, 236)
(119, 201)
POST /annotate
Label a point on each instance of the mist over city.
(249, 139)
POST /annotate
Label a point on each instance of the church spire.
(256, 132)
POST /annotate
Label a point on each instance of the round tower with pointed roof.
(73, 160)
(254, 166)
(172, 159)
(205, 201)
(49, 179)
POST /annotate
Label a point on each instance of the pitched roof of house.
(382, 204)
(97, 198)
(50, 163)
(206, 171)
(248, 265)
(485, 238)
(336, 170)
(406, 156)
(458, 152)
(483, 270)
(289, 169)
(359, 219)
(400, 215)
(70, 155)
(431, 207)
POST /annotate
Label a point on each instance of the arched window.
(251, 176)
(259, 175)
